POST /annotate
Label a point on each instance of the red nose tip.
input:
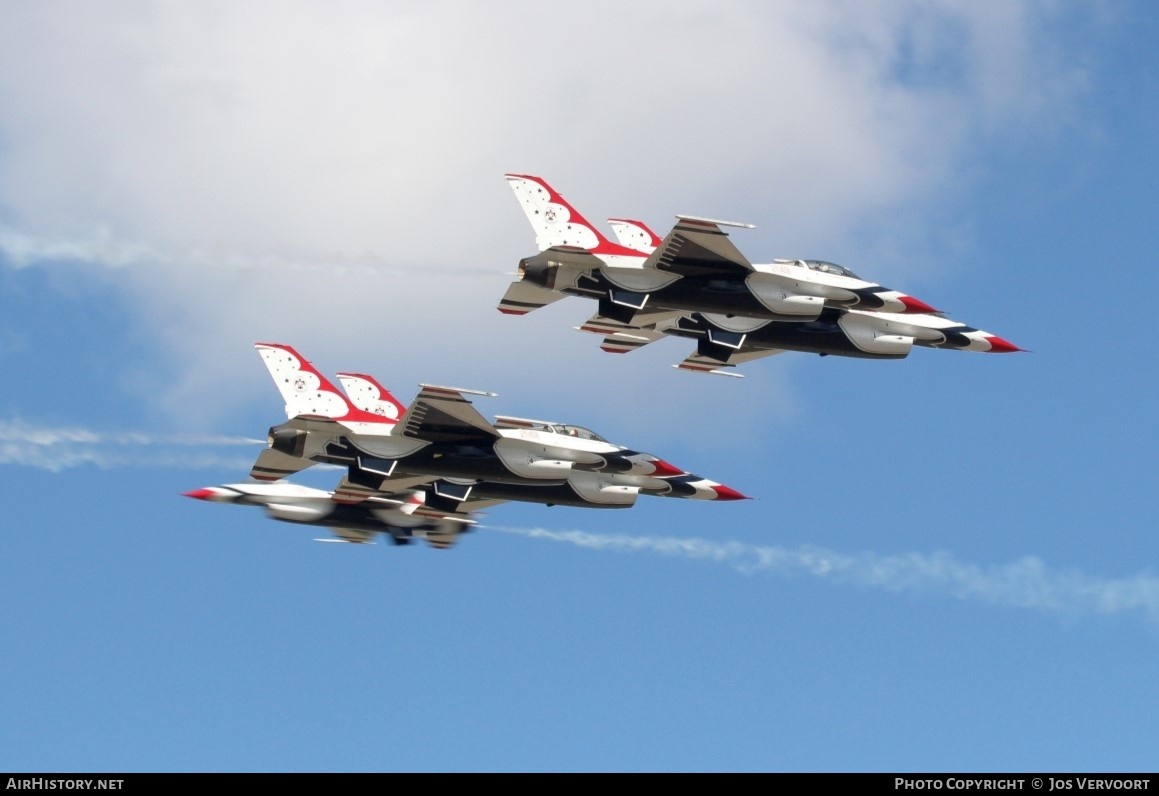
(200, 494)
(1000, 346)
(663, 468)
(727, 493)
(916, 305)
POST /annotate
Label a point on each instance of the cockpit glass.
(577, 431)
(829, 268)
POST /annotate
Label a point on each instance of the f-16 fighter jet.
(694, 268)
(403, 519)
(723, 342)
(367, 394)
(441, 440)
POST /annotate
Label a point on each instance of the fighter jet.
(367, 394)
(403, 519)
(442, 441)
(727, 342)
(855, 319)
(694, 268)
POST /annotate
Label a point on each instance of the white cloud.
(332, 174)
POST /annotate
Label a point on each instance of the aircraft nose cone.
(1000, 346)
(916, 305)
(200, 494)
(663, 468)
(727, 493)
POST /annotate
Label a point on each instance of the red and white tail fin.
(368, 395)
(306, 391)
(556, 223)
(635, 235)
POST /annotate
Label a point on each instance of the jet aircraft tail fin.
(560, 226)
(368, 395)
(635, 235)
(306, 391)
(556, 223)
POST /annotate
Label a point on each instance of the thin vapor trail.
(1024, 583)
(101, 248)
(58, 449)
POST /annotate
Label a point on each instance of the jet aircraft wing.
(699, 247)
(443, 414)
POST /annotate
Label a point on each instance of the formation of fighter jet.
(434, 462)
(423, 470)
(695, 283)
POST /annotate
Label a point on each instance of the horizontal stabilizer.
(441, 539)
(695, 364)
(523, 297)
(700, 363)
(272, 465)
(620, 337)
(349, 491)
(460, 517)
(353, 535)
(622, 343)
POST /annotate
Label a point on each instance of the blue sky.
(951, 560)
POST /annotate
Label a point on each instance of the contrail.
(58, 449)
(1025, 583)
(100, 248)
